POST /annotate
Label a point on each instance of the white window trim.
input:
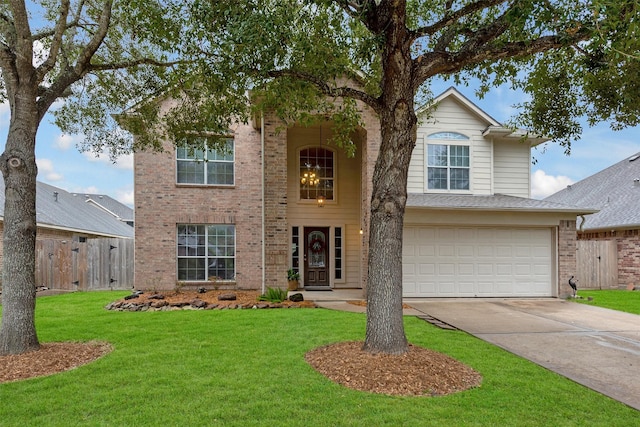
(448, 142)
(335, 176)
(194, 184)
(206, 280)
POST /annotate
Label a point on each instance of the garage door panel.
(470, 261)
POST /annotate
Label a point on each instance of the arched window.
(317, 171)
(448, 135)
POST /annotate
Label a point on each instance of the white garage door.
(477, 262)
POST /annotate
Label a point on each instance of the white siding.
(453, 116)
(512, 168)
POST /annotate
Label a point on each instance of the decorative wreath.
(316, 245)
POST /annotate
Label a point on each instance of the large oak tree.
(573, 58)
(105, 54)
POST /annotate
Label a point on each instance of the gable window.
(209, 166)
(448, 167)
(317, 168)
(206, 252)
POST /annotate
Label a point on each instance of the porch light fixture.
(320, 200)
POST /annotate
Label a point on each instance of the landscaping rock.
(198, 303)
(296, 297)
(156, 296)
(227, 297)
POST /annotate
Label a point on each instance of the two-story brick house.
(242, 218)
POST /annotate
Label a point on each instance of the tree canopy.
(306, 59)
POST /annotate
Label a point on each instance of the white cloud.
(64, 142)
(543, 185)
(123, 162)
(124, 196)
(46, 168)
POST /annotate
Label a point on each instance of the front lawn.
(247, 368)
(620, 300)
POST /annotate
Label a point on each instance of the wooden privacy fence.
(97, 264)
(597, 264)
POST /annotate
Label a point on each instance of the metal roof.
(59, 209)
(614, 191)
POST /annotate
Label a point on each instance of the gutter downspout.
(263, 288)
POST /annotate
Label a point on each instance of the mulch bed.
(419, 372)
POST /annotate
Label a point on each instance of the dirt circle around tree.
(419, 372)
(51, 358)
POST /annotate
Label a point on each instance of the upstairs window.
(447, 165)
(207, 166)
(317, 170)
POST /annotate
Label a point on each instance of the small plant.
(213, 280)
(292, 275)
(179, 285)
(273, 295)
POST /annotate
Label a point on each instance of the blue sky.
(62, 165)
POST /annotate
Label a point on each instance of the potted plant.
(293, 277)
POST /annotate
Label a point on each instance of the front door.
(316, 258)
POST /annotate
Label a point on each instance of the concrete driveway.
(595, 347)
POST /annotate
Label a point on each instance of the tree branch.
(22, 31)
(56, 41)
(451, 18)
(325, 88)
(132, 63)
(434, 63)
(92, 46)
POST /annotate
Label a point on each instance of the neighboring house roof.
(119, 210)
(59, 209)
(496, 202)
(614, 191)
(494, 127)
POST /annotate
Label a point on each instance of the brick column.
(566, 256)
(275, 181)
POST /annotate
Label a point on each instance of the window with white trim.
(206, 252)
(209, 166)
(318, 162)
(447, 164)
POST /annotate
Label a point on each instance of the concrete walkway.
(596, 347)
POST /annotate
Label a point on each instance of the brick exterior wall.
(161, 204)
(628, 244)
(566, 256)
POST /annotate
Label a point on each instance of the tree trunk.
(18, 165)
(385, 327)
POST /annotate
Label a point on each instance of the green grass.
(247, 368)
(620, 300)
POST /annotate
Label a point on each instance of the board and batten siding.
(452, 116)
(343, 212)
(512, 168)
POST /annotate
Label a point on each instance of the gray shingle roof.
(612, 191)
(71, 211)
(496, 202)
